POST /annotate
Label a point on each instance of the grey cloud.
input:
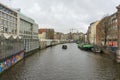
(64, 14)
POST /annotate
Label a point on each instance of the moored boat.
(96, 49)
(85, 46)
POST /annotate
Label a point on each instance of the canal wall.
(11, 51)
(10, 61)
(44, 43)
(30, 45)
(17, 52)
(111, 52)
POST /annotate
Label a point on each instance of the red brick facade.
(111, 30)
(118, 24)
(40, 31)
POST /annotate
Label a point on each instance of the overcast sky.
(63, 15)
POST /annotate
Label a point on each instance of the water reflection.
(54, 63)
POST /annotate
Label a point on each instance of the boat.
(85, 46)
(64, 47)
(96, 49)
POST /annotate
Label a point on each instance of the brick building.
(46, 33)
(107, 29)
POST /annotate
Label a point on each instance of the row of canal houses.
(18, 36)
(106, 32)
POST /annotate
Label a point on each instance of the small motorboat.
(64, 47)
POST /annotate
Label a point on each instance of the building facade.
(107, 30)
(92, 32)
(8, 20)
(42, 33)
(11, 44)
(49, 33)
(58, 35)
(45, 33)
(28, 30)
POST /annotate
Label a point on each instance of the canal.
(54, 63)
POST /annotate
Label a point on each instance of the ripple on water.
(54, 63)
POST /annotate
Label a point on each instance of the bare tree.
(103, 29)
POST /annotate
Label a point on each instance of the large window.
(8, 21)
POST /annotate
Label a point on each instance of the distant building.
(46, 33)
(42, 33)
(81, 37)
(65, 36)
(78, 36)
(75, 36)
(70, 36)
(58, 35)
(49, 33)
(85, 38)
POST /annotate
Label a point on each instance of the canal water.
(55, 63)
